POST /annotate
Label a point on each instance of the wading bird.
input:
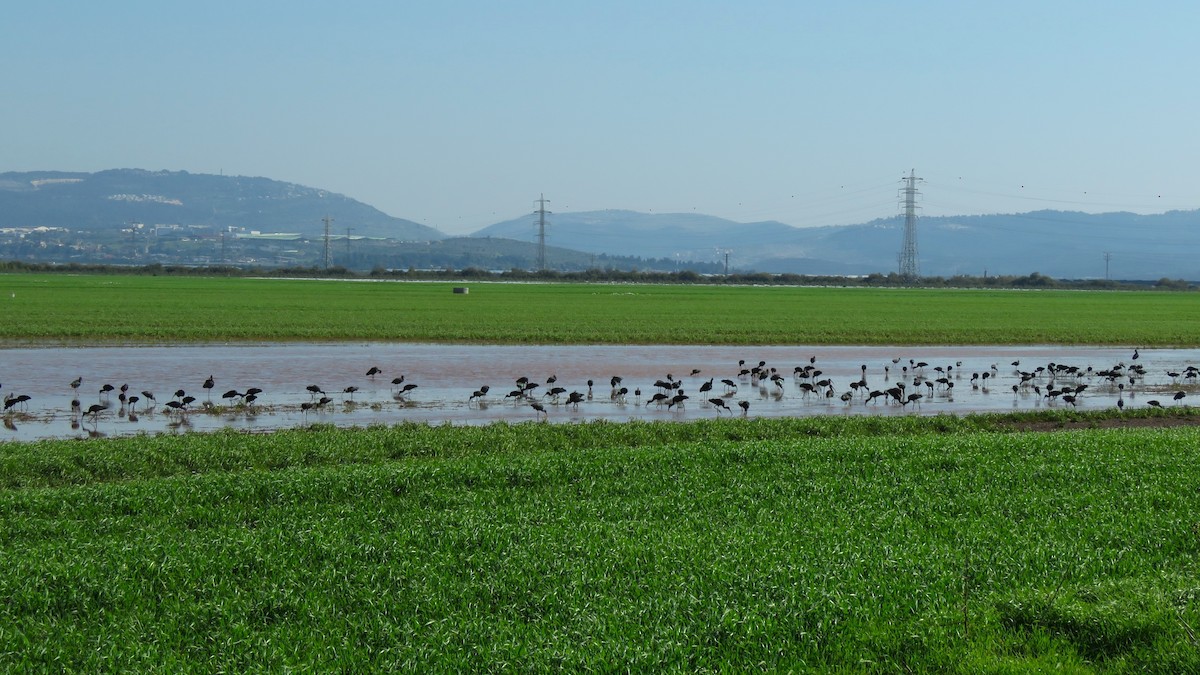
(574, 399)
(478, 393)
(657, 398)
(21, 400)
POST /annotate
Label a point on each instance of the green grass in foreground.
(115, 309)
(858, 544)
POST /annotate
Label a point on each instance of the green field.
(913, 544)
(117, 309)
(860, 544)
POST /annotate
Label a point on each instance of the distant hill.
(1069, 245)
(675, 236)
(491, 253)
(96, 207)
(1061, 244)
(113, 199)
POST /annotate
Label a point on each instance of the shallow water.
(446, 376)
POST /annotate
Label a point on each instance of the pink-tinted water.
(446, 376)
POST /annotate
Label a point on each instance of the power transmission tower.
(348, 231)
(1107, 258)
(328, 262)
(909, 267)
(541, 214)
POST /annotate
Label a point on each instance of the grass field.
(116, 309)
(923, 544)
(860, 544)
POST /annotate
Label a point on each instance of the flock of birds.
(903, 383)
(181, 402)
(1052, 383)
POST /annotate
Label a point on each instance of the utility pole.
(1107, 257)
(909, 266)
(541, 214)
(327, 220)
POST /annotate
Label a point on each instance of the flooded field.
(792, 381)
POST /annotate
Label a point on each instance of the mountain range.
(1059, 244)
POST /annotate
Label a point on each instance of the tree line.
(598, 275)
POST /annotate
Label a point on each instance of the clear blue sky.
(458, 114)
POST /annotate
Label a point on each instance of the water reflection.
(471, 384)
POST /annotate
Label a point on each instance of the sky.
(458, 114)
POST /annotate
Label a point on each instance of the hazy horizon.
(458, 115)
